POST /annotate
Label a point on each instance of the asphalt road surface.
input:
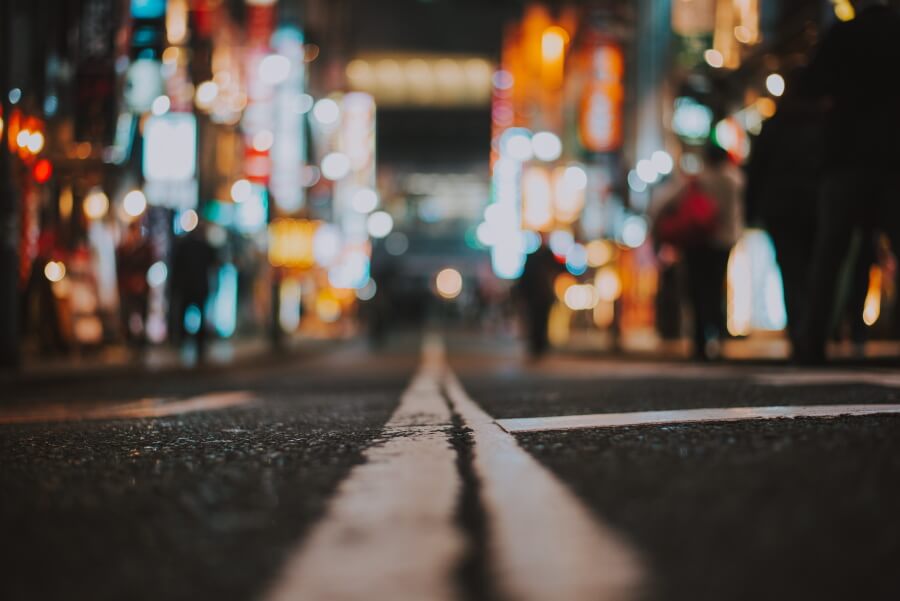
(353, 474)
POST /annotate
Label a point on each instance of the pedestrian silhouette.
(783, 179)
(535, 290)
(192, 262)
(854, 73)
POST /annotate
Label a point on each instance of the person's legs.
(717, 271)
(793, 244)
(839, 212)
(538, 320)
(698, 264)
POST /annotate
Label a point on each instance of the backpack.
(690, 221)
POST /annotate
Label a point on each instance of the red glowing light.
(42, 171)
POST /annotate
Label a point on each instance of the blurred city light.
(546, 146)
(577, 259)
(576, 177)
(379, 224)
(193, 319)
(335, 166)
(561, 242)
(161, 105)
(502, 80)
(368, 291)
(580, 297)
(553, 43)
(607, 284)
(96, 204)
(531, 241)
(55, 271)
(537, 199)
(365, 200)
(303, 104)
(275, 69)
(714, 58)
(635, 182)
(157, 274)
(843, 10)
(516, 144)
(646, 171)
(263, 140)
(872, 304)
(134, 203)
(634, 231)
(241, 190)
(662, 162)
(206, 93)
(188, 220)
(42, 171)
(775, 84)
(599, 252)
(35, 142)
(327, 243)
(448, 283)
(326, 111)
(691, 120)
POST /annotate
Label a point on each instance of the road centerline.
(543, 543)
(389, 532)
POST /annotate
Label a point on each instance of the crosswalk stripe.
(543, 542)
(728, 414)
(389, 533)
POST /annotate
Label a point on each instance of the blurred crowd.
(821, 179)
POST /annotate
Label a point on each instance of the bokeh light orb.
(448, 283)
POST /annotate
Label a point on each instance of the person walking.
(192, 262)
(535, 289)
(852, 72)
(706, 257)
(784, 175)
(134, 258)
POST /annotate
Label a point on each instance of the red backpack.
(690, 221)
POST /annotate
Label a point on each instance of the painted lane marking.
(831, 377)
(687, 416)
(389, 532)
(543, 542)
(144, 408)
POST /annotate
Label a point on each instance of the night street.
(449, 300)
(234, 498)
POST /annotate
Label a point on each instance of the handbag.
(690, 221)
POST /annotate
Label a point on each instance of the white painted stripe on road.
(544, 543)
(813, 377)
(389, 533)
(144, 408)
(686, 416)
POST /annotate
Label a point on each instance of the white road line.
(830, 377)
(544, 544)
(144, 408)
(640, 418)
(389, 533)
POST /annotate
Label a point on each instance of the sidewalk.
(162, 358)
(759, 347)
